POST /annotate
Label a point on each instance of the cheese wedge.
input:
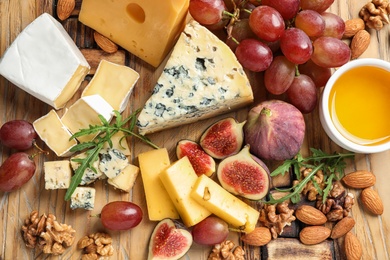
(126, 178)
(201, 79)
(45, 62)
(146, 28)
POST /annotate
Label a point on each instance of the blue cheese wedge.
(45, 62)
(57, 174)
(125, 179)
(202, 78)
(83, 198)
(89, 175)
(112, 162)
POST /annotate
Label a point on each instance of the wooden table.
(372, 231)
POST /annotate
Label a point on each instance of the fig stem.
(266, 111)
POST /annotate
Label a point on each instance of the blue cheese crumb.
(83, 198)
(112, 162)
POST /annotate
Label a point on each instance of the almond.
(352, 26)
(260, 236)
(342, 227)
(371, 201)
(359, 179)
(312, 235)
(104, 43)
(65, 8)
(310, 215)
(352, 246)
(359, 43)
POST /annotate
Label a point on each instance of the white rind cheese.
(202, 78)
(45, 62)
(83, 197)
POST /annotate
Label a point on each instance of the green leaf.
(283, 168)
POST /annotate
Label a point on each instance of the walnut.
(375, 14)
(310, 190)
(227, 251)
(33, 226)
(276, 217)
(96, 245)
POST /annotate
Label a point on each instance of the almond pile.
(360, 38)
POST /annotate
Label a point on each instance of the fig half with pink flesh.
(168, 242)
(199, 159)
(223, 138)
(244, 175)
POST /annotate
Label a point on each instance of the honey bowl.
(355, 106)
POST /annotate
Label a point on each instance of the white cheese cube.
(89, 175)
(57, 174)
(125, 179)
(83, 197)
(112, 162)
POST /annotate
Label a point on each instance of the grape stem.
(297, 74)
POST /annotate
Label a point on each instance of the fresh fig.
(244, 175)
(199, 159)
(168, 242)
(274, 130)
(223, 138)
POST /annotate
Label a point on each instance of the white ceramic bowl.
(325, 117)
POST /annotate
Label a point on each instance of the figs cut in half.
(223, 138)
(168, 242)
(199, 159)
(244, 175)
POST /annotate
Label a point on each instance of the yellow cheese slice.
(225, 205)
(159, 204)
(146, 28)
(179, 180)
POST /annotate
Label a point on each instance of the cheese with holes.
(146, 28)
(53, 132)
(57, 174)
(112, 82)
(85, 112)
(178, 180)
(125, 179)
(45, 62)
(201, 79)
(225, 205)
(159, 204)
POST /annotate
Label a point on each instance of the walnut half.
(227, 250)
(375, 14)
(95, 246)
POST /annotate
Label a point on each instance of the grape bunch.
(295, 43)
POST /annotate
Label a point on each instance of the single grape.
(207, 12)
(246, 9)
(334, 25)
(120, 215)
(316, 5)
(266, 23)
(319, 75)
(15, 171)
(17, 134)
(279, 76)
(310, 22)
(296, 45)
(287, 8)
(240, 31)
(303, 93)
(254, 55)
(210, 231)
(330, 52)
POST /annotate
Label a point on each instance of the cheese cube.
(146, 28)
(159, 204)
(225, 205)
(112, 162)
(45, 62)
(52, 131)
(119, 142)
(178, 180)
(83, 197)
(113, 82)
(57, 174)
(89, 175)
(85, 112)
(126, 178)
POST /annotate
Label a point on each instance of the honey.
(359, 105)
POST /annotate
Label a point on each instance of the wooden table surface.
(372, 231)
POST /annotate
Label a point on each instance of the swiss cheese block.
(201, 79)
(159, 204)
(85, 112)
(225, 205)
(112, 82)
(53, 132)
(45, 62)
(178, 180)
(146, 28)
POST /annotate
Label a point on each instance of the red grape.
(279, 76)
(210, 231)
(296, 45)
(17, 134)
(310, 22)
(287, 8)
(330, 52)
(334, 25)
(240, 31)
(16, 171)
(316, 5)
(254, 55)
(266, 23)
(319, 75)
(207, 12)
(120, 215)
(303, 93)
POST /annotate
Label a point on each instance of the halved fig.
(223, 138)
(168, 242)
(244, 175)
(199, 159)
